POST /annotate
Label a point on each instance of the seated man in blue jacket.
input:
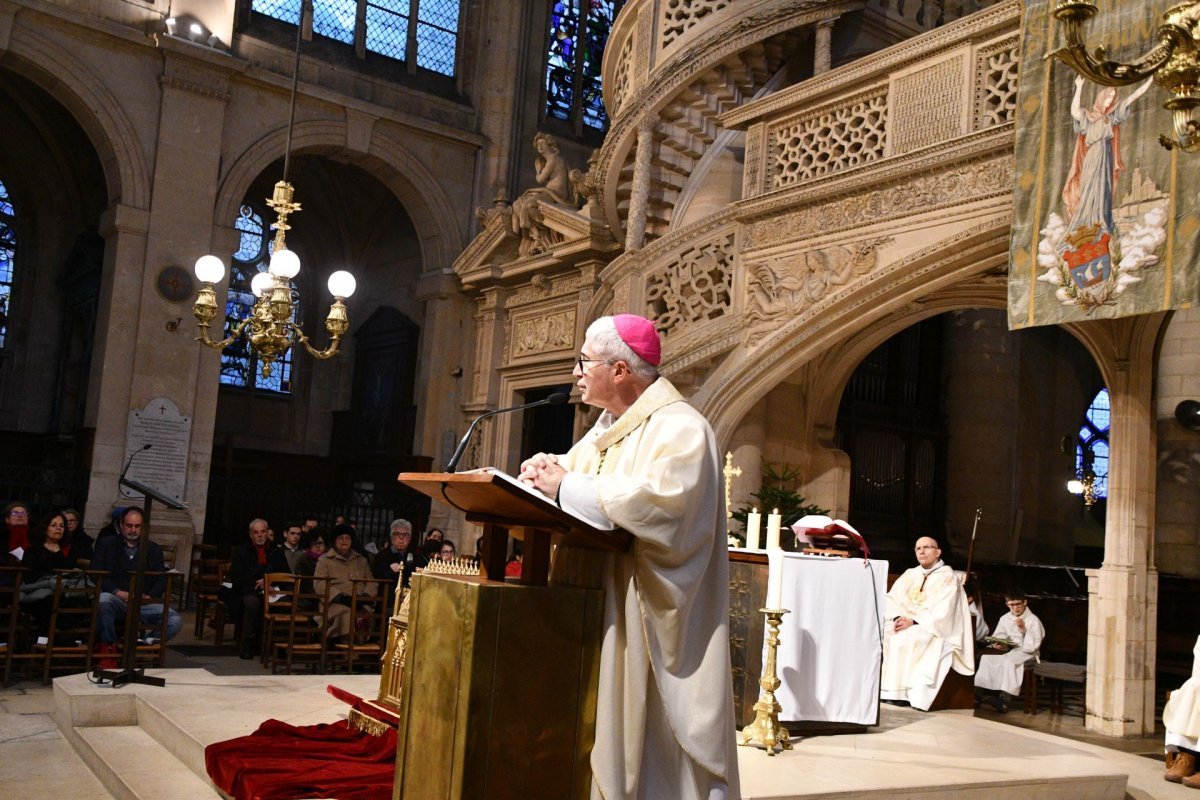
(118, 555)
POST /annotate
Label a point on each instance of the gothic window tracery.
(388, 27)
(1091, 451)
(239, 367)
(578, 33)
(8, 251)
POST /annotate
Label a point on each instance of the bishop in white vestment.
(927, 630)
(650, 465)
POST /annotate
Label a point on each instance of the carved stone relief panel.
(621, 82)
(752, 169)
(680, 16)
(692, 288)
(996, 83)
(916, 195)
(781, 288)
(927, 105)
(828, 139)
(537, 333)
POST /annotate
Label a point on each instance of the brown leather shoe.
(1180, 767)
(1192, 781)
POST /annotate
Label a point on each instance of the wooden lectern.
(499, 691)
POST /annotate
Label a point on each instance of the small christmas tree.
(778, 492)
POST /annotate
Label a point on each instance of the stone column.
(442, 359)
(1123, 593)
(823, 46)
(635, 223)
(139, 355)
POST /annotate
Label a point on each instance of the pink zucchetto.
(639, 334)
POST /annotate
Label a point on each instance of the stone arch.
(952, 273)
(391, 162)
(97, 110)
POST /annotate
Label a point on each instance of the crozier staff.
(650, 465)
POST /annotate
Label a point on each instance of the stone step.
(132, 765)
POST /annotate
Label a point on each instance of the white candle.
(753, 523)
(773, 522)
(774, 578)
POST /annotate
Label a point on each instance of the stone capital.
(121, 218)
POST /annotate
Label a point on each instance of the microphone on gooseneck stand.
(558, 398)
(132, 456)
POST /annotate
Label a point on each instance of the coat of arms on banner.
(1104, 219)
(1096, 250)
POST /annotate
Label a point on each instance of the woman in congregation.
(46, 554)
(77, 542)
(342, 565)
(15, 523)
(448, 551)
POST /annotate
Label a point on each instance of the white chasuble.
(1181, 715)
(665, 708)
(916, 660)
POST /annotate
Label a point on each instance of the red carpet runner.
(284, 762)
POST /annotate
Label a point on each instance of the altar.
(831, 641)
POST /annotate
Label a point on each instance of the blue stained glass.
(560, 67)
(334, 19)
(387, 29)
(1100, 467)
(238, 363)
(1093, 439)
(285, 10)
(437, 35)
(1099, 413)
(8, 255)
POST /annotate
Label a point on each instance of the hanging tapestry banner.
(1105, 219)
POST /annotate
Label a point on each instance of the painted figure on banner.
(1094, 252)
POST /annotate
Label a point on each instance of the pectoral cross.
(730, 473)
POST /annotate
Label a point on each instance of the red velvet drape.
(283, 762)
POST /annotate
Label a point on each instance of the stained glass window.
(239, 367)
(1093, 440)
(388, 26)
(8, 252)
(573, 86)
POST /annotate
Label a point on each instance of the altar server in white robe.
(1181, 718)
(928, 631)
(650, 465)
(1003, 673)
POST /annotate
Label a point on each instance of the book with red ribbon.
(832, 536)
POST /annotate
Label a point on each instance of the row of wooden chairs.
(296, 622)
(71, 636)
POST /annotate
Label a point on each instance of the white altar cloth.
(831, 642)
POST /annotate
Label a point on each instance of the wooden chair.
(151, 649)
(277, 611)
(370, 609)
(209, 606)
(10, 617)
(300, 637)
(72, 631)
(200, 553)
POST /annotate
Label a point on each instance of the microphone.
(133, 455)
(556, 399)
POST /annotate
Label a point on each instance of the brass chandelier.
(268, 327)
(1172, 61)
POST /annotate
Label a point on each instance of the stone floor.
(952, 753)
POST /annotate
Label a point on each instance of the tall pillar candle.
(773, 523)
(753, 524)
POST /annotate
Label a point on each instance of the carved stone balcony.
(851, 181)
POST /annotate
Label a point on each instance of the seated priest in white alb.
(1181, 718)
(927, 630)
(1002, 674)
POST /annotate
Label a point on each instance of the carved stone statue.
(555, 188)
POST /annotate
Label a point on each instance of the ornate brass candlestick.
(765, 731)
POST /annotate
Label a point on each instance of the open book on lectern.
(541, 498)
(490, 496)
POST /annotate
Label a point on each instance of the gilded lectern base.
(498, 699)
